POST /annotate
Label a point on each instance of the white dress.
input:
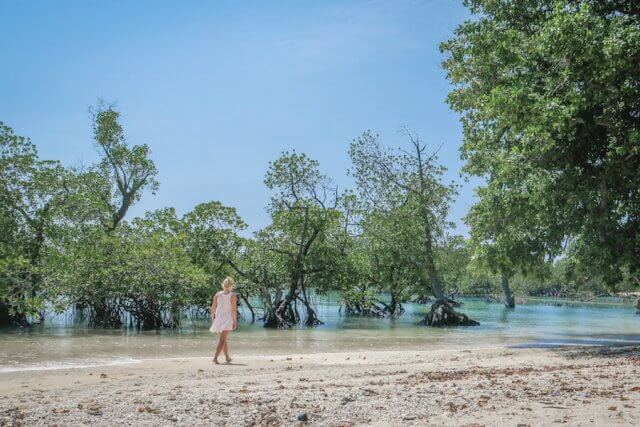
(223, 320)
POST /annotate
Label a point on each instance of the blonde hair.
(228, 283)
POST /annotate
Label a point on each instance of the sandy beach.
(575, 386)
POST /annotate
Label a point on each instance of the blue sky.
(217, 89)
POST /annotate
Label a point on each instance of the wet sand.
(574, 386)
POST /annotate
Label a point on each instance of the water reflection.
(504, 315)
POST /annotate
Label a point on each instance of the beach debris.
(369, 392)
(272, 419)
(303, 417)
(347, 399)
(149, 409)
(94, 408)
(103, 375)
(16, 417)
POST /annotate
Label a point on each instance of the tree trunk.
(441, 313)
(509, 301)
(311, 316)
(280, 314)
(249, 306)
(394, 308)
(283, 316)
(176, 315)
(273, 307)
(104, 314)
(434, 280)
(5, 319)
(393, 305)
(8, 319)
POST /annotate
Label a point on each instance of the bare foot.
(216, 361)
(228, 360)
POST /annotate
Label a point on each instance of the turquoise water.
(536, 323)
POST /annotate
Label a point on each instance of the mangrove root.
(454, 303)
(421, 299)
(443, 314)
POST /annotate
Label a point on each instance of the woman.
(224, 310)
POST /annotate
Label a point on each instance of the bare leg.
(219, 347)
(225, 349)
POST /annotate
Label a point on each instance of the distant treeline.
(549, 94)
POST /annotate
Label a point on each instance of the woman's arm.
(234, 310)
(214, 305)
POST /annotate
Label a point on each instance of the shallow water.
(538, 323)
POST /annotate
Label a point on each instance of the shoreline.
(472, 386)
(122, 360)
(83, 365)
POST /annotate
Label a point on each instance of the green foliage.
(404, 209)
(213, 235)
(126, 171)
(214, 244)
(453, 256)
(550, 92)
(142, 270)
(33, 193)
(64, 242)
(304, 236)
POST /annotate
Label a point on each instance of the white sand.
(577, 386)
